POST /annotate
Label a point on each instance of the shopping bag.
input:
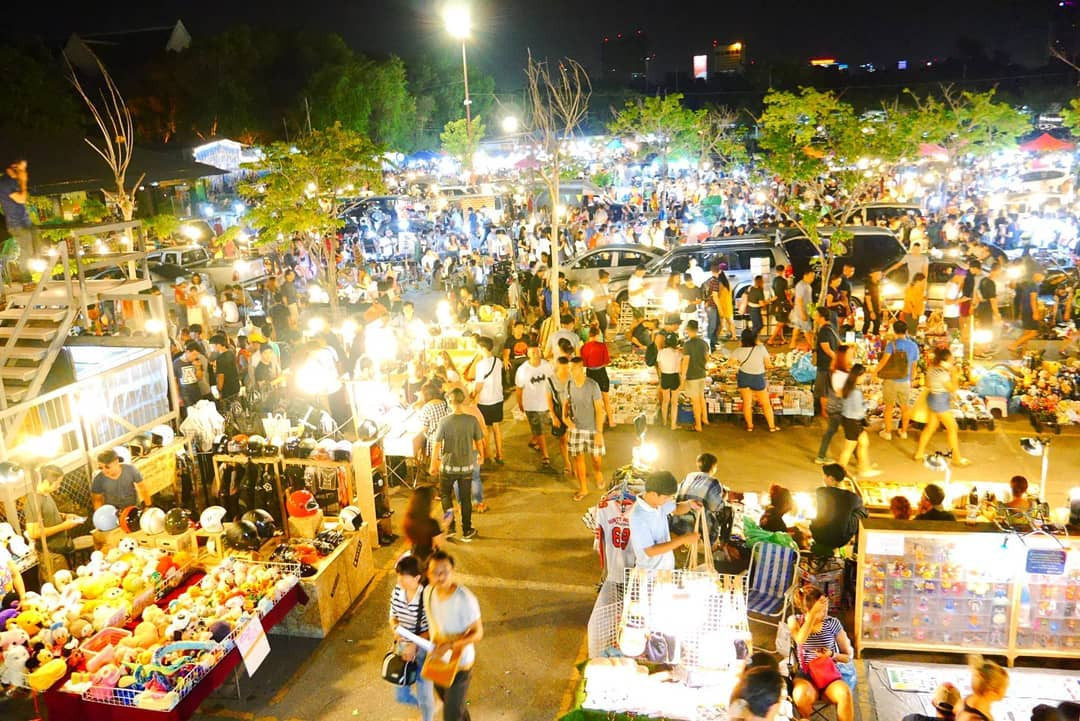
(803, 369)
(822, 671)
(441, 671)
(701, 529)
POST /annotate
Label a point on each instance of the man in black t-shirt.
(930, 505)
(226, 377)
(838, 511)
(826, 341)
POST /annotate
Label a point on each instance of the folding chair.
(771, 581)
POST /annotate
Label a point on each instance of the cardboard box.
(183, 543)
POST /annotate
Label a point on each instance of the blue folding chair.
(771, 582)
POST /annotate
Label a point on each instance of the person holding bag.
(407, 611)
(454, 617)
(822, 648)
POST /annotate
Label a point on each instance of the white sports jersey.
(612, 518)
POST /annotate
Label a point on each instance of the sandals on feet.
(580, 495)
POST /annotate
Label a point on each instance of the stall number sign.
(1046, 561)
(253, 644)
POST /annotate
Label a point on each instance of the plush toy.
(30, 621)
(62, 579)
(145, 636)
(14, 669)
(14, 636)
(47, 675)
(80, 629)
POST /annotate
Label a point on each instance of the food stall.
(943, 586)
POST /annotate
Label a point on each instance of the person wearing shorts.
(488, 392)
(897, 391)
(668, 366)
(533, 389)
(596, 356)
(695, 352)
(583, 409)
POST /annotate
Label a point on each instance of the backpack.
(896, 366)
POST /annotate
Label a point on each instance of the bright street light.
(510, 124)
(458, 21)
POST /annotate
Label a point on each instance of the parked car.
(737, 252)
(619, 260)
(941, 271)
(196, 259)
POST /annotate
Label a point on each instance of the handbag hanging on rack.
(701, 529)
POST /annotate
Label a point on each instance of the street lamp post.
(459, 24)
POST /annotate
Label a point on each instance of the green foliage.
(602, 179)
(828, 159)
(458, 142)
(661, 125)
(1071, 116)
(966, 122)
(299, 194)
(436, 84)
(161, 226)
(718, 137)
(36, 93)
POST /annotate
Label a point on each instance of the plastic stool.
(998, 403)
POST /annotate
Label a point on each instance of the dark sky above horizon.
(853, 30)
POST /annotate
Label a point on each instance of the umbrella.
(422, 156)
(932, 150)
(1046, 143)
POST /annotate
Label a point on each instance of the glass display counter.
(939, 586)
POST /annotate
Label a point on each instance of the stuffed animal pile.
(1054, 387)
(50, 626)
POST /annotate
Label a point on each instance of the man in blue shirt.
(650, 536)
(13, 200)
(897, 391)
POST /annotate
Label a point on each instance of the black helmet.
(255, 446)
(291, 448)
(177, 520)
(221, 445)
(307, 445)
(367, 430)
(141, 445)
(264, 523)
(242, 536)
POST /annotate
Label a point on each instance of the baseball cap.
(256, 337)
(946, 697)
(662, 482)
(934, 494)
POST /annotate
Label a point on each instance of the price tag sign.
(253, 645)
(1046, 561)
(884, 544)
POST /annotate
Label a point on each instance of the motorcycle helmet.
(307, 570)
(342, 451)
(177, 520)
(129, 519)
(162, 435)
(273, 447)
(376, 455)
(221, 445)
(255, 446)
(350, 518)
(6, 531)
(106, 518)
(141, 445)
(153, 521)
(367, 430)
(238, 444)
(123, 453)
(11, 473)
(242, 536)
(291, 448)
(307, 445)
(211, 518)
(18, 546)
(301, 504)
(264, 523)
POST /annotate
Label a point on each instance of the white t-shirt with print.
(533, 382)
(489, 379)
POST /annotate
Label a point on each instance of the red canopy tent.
(932, 150)
(1046, 143)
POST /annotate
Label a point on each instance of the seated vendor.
(838, 512)
(1018, 485)
(703, 487)
(50, 524)
(118, 484)
(930, 505)
(641, 332)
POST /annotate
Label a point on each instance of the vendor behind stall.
(650, 536)
(930, 505)
(51, 524)
(117, 484)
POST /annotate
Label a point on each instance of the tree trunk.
(553, 276)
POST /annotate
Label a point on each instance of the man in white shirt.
(533, 381)
(637, 293)
(488, 391)
(650, 537)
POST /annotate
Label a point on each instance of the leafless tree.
(1057, 54)
(113, 119)
(557, 101)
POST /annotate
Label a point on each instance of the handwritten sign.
(253, 645)
(884, 544)
(1046, 561)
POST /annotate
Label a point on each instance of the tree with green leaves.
(460, 139)
(437, 85)
(36, 93)
(968, 123)
(1070, 116)
(658, 124)
(821, 162)
(302, 194)
(718, 137)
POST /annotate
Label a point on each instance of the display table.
(942, 586)
(62, 705)
(343, 575)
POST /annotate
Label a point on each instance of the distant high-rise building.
(728, 58)
(1065, 27)
(625, 56)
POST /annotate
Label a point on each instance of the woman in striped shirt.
(407, 611)
(816, 633)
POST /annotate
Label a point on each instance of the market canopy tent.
(1046, 143)
(932, 150)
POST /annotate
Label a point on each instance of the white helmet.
(123, 454)
(163, 435)
(18, 546)
(153, 521)
(350, 518)
(6, 531)
(211, 518)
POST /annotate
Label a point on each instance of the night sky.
(852, 30)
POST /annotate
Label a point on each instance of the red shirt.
(595, 354)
